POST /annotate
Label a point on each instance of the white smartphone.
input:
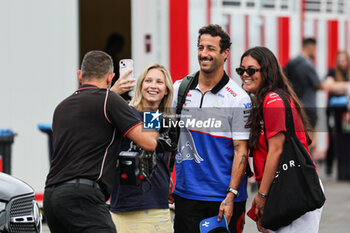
(124, 66)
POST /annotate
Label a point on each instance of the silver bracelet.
(262, 195)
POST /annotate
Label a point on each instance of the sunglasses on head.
(250, 71)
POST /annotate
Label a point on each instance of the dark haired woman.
(262, 77)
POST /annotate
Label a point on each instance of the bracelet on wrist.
(233, 191)
(262, 195)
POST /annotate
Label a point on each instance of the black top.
(331, 73)
(87, 130)
(128, 198)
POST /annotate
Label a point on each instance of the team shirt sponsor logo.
(234, 94)
(247, 105)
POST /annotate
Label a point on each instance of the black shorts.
(189, 213)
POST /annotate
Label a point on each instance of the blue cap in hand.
(211, 225)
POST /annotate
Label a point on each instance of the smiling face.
(209, 56)
(251, 83)
(153, 89)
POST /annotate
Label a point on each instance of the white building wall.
(309, 28)
(321, 66)
(322, 48)
(237, 47)
(271, 33)
(341, 35)
(254, 30)
(197, 19)
(149, 17)
(38, 59)
(216, 16)
(295, 37)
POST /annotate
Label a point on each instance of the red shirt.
(275, 122)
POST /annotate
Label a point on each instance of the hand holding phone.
(126, 81)
(125, 65)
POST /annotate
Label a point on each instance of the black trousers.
(189, 213)
(77, 207)
(331, 153)
(339, 146)
(342, 146)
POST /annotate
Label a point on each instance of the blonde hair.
(165, 104)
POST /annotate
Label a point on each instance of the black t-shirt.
(87, 130)
(331, 73)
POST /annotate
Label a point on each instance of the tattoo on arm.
(243, 160)
(225, 202)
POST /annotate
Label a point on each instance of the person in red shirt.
(262, 77)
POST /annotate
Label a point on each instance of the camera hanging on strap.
(136, 165)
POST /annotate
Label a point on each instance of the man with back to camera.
(210, 164)
(87, 130)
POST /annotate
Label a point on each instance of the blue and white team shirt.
(210, 122)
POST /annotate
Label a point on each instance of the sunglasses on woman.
(250, 71)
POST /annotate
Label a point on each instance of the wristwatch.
(234, 191)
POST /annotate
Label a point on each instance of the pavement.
(335, 215)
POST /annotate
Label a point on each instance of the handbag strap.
(288, 117)
(267, 144)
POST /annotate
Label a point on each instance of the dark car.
(19, 211)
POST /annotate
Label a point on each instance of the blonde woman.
(133, 209)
